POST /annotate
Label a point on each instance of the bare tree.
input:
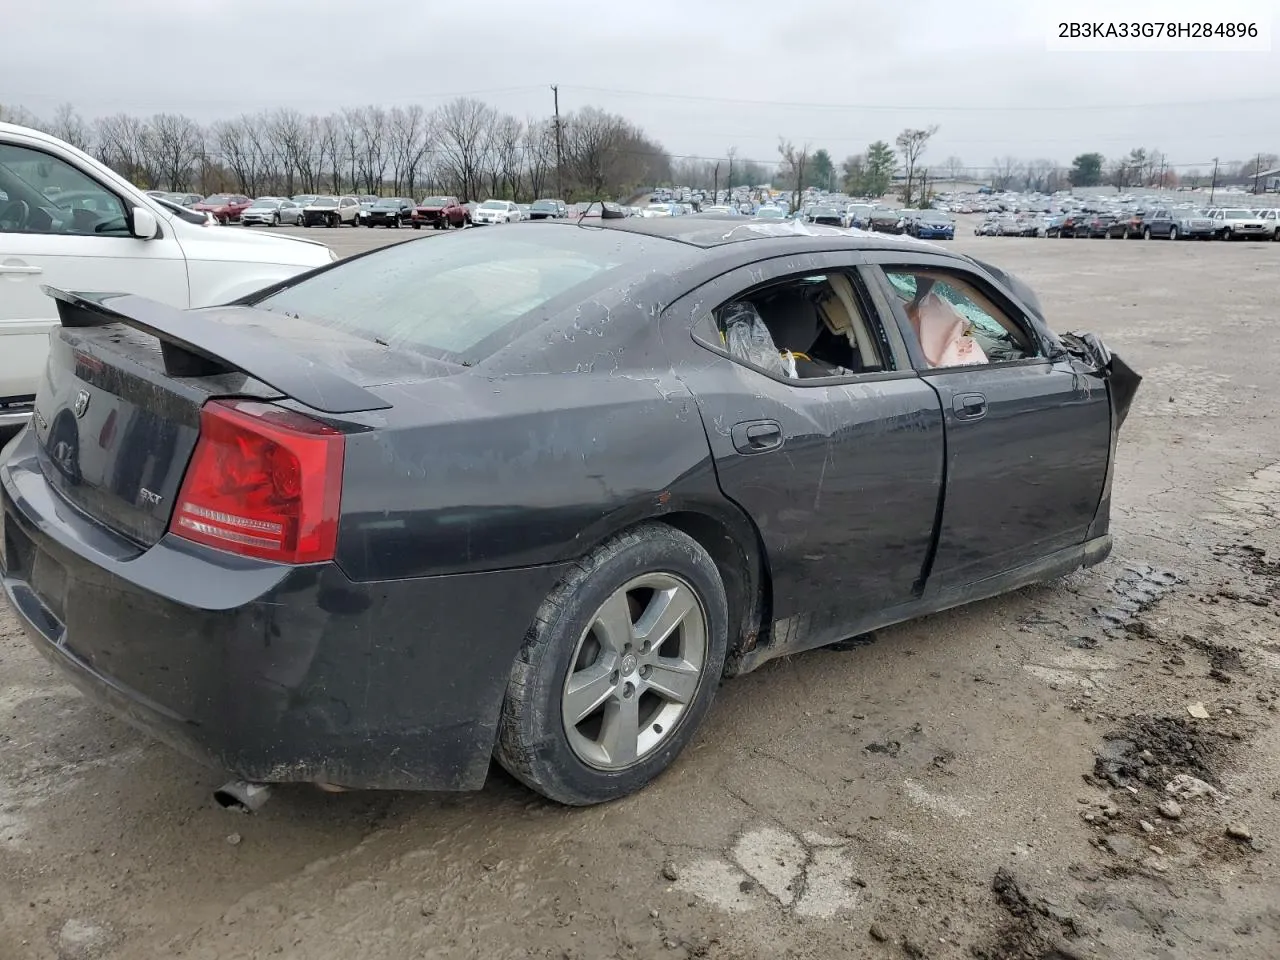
(507, 135)
(592, 137)
(349, 148)
(68, 125)
(792, 167)
(236, 143)
(370, 144)
(1037, 172)
(1004, 170)
(539, 155)
(123, 144)
(911, 143)
(954, 167)
(408, 140)
(177, 143)
(463, 126)
(328, 151)
(14, 113)
(294, 137)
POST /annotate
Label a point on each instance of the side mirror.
(143, 224)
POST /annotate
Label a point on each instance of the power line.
(934, 108)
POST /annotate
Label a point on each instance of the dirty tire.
(532, 743)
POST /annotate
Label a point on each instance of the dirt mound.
(1035, 929)
(1153, 750)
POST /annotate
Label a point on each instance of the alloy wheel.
(635, 671)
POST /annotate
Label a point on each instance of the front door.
(1027, 438)
(841, 473)
(61, 227)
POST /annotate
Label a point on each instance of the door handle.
(757, 436)
(19, 270)
(969, 406)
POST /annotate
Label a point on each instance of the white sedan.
(497, 211)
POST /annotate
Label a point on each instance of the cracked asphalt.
(987, 782)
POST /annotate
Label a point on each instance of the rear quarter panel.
(576, 430)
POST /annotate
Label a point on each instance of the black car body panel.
(277, 673)
(475, 480)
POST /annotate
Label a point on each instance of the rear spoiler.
(194, 346)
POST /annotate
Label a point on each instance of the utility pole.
(1257, 170)
(1214, 185)
(1163, 161)
(555, 92)
(715, 184)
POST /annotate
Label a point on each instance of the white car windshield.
(325, 202)
(493, 205)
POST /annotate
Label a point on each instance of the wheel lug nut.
(645, 671)
(628, 690)
(613, 677)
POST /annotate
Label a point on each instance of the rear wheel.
(1173, 233)
(1146, 233)
(618, 669)
(275, 219)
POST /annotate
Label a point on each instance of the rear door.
(61, 226)
(1028, 438)
(841, 475)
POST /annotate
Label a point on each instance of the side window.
(805, 328)
(955, 322)
(43, 194)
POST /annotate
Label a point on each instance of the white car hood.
(228, 244)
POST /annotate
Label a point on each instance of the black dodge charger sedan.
(531, 493)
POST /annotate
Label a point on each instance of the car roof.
(707, 233)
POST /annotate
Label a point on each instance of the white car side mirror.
(144, 225)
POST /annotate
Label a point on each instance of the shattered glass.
(749, 339)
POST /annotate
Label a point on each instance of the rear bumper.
(272, 673)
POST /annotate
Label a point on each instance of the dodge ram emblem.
(81, 404)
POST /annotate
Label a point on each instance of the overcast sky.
(698, 76)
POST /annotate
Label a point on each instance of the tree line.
(465, 147)
(468, 148)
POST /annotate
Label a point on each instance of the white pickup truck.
(68, 221)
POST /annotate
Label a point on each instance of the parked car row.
(1160, 223)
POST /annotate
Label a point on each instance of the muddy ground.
(983, 783)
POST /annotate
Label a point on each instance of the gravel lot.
(983, 783)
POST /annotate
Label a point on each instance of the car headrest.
(793, 320)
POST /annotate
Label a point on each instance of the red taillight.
(263, 482)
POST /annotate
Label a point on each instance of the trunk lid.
(117, 413)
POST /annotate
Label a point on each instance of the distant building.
(1270, 180)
